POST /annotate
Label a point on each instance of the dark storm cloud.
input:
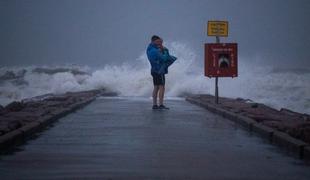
(98, 32)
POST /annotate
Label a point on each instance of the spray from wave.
(288, 88)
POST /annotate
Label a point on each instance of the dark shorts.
(158, 79)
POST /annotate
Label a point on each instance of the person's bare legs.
(161, 94)
(155, 93)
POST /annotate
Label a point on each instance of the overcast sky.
(99, 32)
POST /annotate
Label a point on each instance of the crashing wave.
(279, 88)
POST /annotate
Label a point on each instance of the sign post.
(220, 58)
(217, 79)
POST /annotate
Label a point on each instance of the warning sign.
(221, 60)
(217, 28)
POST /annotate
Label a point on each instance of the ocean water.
(273, 86)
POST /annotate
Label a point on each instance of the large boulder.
(1, 109)
(12, 125)
(57, 98)
(15, 106)
(4, 129)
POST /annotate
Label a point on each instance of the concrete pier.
(123, 138)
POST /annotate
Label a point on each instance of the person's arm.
(166, 50)
(168, 56)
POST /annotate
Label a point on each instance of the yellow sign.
(217, 28)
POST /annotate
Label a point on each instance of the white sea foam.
(288, 88)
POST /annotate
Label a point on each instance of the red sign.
(221, 60)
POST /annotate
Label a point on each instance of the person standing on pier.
(160, 60)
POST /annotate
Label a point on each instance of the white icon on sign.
(224, 61)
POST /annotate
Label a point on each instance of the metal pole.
(217, 39)
(216, 79)
(216, 91)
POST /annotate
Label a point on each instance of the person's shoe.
(162, 107)
(155, 107)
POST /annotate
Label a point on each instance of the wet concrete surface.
(122, 138)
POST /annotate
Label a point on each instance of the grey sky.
(99, 32)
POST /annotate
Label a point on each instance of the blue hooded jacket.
(159, 61)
